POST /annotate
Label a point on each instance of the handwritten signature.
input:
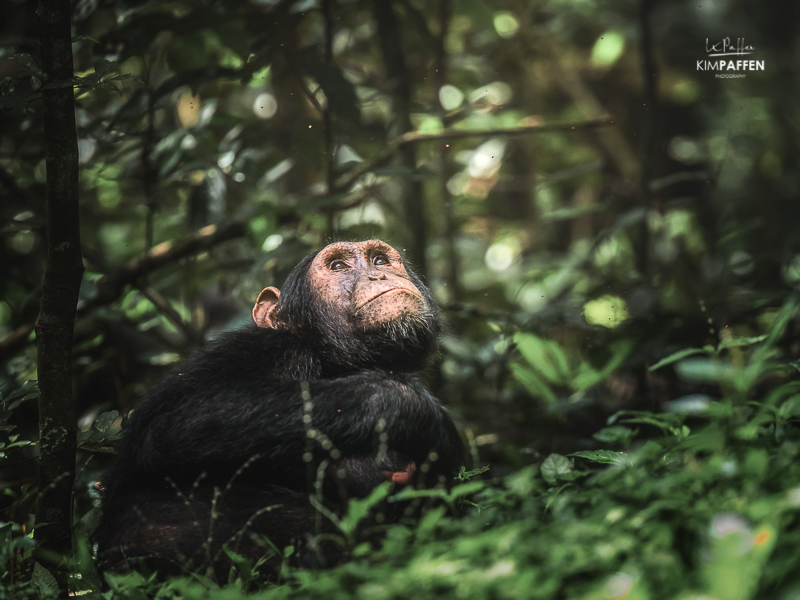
(726, 48)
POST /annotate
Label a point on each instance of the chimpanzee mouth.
(381, 293)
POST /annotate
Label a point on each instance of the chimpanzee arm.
(221, 427)
(413, 421)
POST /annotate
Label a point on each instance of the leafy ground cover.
(701, 502)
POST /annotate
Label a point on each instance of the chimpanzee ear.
(264, 310)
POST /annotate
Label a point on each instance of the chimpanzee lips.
(386, 291)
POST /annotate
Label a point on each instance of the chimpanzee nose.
(376, 276)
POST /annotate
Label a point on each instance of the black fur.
(229, 424)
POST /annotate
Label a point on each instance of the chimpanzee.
(228, 450)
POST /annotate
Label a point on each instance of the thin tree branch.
(110, 286)
(412, 137)
(163, 306)
(15, 340)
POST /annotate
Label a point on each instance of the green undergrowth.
(708, 512)
(701, 501)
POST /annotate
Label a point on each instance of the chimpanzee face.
(356, 286)
(356, 304)
(365, 284)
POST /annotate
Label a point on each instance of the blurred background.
(581, 199)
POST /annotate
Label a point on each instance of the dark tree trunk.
(400, 82)
(63, 272)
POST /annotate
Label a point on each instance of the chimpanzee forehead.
(352, 249)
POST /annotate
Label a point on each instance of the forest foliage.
(611, 233)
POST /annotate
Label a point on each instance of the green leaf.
(572, 212)
(555, 467)
(358, 508)
(608, 457)
(588, 377)
(241, 566)
(465, 489)
(533, 383)
(544, 356)
(676, 356)
(781, 321)
(43, 581)
(84, 38)
(706, 370)
(106, 420)
(617, 434)
(410, 493)
(620, 350)
(742, 341)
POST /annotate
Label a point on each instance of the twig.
(413, 137)
(14, 341)
(111, 286)
(163, 305)
(453, 134)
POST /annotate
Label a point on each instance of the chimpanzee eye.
(337, 265)
(380, 259)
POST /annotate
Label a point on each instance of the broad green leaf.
(555, 467)
(44, 582)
